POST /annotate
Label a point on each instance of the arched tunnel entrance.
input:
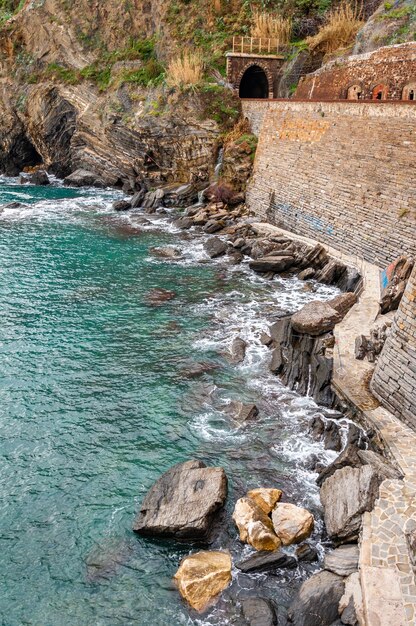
(254, 83)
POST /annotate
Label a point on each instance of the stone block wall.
(394, 379)
(343, 173)
(390, 70)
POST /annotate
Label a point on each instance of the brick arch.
(380, 87)
(357, 87)
(408, 90)
(264, 67)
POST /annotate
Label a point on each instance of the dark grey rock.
(39, 178)
(272, 263)
(258, 612)
(215, 247)
(343, 302)
(184, 223)
(332, 436)
(122, 205)
(307, 274)
(138, 198)
(306, 552)
(213, 226)
(317, 601)
(183, 502)
(262, 561)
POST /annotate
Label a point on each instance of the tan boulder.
(202, 576)
(291, 523)
(266, 499)
(255, 526)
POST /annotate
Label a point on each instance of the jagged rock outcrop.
(317, 601)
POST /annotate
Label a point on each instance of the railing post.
(251, 45)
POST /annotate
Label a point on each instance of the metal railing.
(256, 45)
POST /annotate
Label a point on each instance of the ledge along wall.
(394, 379)
(343, 173)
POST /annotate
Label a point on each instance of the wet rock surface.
(264, 561)
(183, 502)
(202, 576)
(317, 601)
(157, 297)
(259, 612)
(254, 525)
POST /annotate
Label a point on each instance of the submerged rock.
(259, 612)
(157, 296)
(166, 252)
(317, 601)
(266, 561)
(255, 526)
(242, 412)
(202, 576)
(292, 524)
(183, 502)
(315, 318)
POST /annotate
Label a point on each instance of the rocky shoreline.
(184, 503)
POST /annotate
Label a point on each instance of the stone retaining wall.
(394, 380)
(340, 172)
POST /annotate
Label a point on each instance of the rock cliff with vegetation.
(135, 91)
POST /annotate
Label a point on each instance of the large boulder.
(255, 526)
(259, 612)
(345, 496)
(315, 318)
(39, 178)
(215, 247)
(317, 601)
(183, 501)
(202, 576)
(272, 263)
(343, 560)
(292, 524)
(238, 350)
(84, 178)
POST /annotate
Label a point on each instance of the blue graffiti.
(312, 221)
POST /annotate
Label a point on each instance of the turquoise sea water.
(96, 402)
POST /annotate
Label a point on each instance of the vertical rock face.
(202, 576)
(183, 501)
(302, 361)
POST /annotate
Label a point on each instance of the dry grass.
(339, 30)
(269, 26)
(185, 70)
(242, 127)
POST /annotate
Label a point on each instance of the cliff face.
(55, 58)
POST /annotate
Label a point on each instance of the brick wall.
(392, 67)
(340, 172)
(394, 380)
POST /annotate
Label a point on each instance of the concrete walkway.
(387, 578)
